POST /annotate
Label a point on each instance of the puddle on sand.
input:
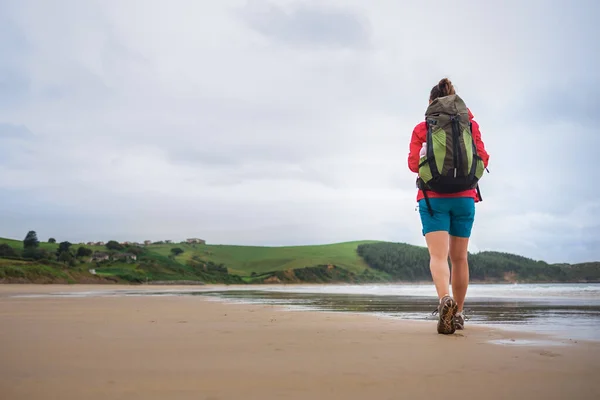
(527, 342)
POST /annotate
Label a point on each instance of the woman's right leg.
(461, 223)
(460, 269)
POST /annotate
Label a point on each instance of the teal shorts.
(454, 215)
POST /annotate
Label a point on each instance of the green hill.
(18, 244)
(216, 263)
(244, 260)
(351, 262)
(411, 263)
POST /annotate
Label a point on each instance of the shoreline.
(39, 292)
(108, 282)
(269, 294)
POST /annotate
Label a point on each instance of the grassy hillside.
(223, 263)
(351, 262)
(244, 260)
(18, 244)
(19, 271)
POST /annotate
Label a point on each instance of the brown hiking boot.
(447, 310)
(459, 321)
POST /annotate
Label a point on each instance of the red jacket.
(419, 136)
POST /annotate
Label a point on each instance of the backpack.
(451, 163)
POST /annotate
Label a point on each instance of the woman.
(447, 226)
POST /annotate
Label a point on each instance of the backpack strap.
(421, 186)
(427, 201)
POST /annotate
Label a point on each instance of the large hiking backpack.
(451, 163)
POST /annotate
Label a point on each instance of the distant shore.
(355, 262)
(188, 348)
(105, 283)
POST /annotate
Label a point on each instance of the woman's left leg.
(435, 230)
(437, 244)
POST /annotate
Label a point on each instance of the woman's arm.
(479, 143)
(416, 141)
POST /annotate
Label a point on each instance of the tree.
(31, 241)
(38, 254)
(7, 251)
(63, 247)
(135, 250)
(66, 257)
(176, 251)
(51, 240)
(114, 245)
(84, 252)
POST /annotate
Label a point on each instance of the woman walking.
(447, 152)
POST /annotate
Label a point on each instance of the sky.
(288, 122)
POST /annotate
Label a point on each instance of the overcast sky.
(288, 122)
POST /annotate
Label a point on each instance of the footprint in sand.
(547, 353)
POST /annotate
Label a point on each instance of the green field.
(244, 260)
(18, 244)
(19, 271)
(157, 263)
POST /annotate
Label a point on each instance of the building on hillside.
(126, 243)
(168, 241)
(90, 243)
(99, 243)
(124, 256)
(99, 257)
(195, 241)
(147, 242)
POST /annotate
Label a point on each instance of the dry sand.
(191, 348)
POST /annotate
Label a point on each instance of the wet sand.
(192, 348)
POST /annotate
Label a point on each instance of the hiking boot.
(447, 311)
(459, 321)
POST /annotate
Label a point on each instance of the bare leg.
(437, 243)
(460, 269)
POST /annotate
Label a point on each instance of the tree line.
(411, 263)
(64, 252)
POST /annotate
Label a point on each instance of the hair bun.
(442, 89)
(446, 87)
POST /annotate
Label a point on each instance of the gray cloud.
(15, 131)
(256, 123)
(303, 24)
(14, 82)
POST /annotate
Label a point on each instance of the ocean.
(565, 311)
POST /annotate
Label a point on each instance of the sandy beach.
(194, 348)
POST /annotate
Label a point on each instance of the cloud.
(15, 131)
(309, 25)
(14, 82)
(289, 122)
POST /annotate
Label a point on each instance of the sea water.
(566, 311)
